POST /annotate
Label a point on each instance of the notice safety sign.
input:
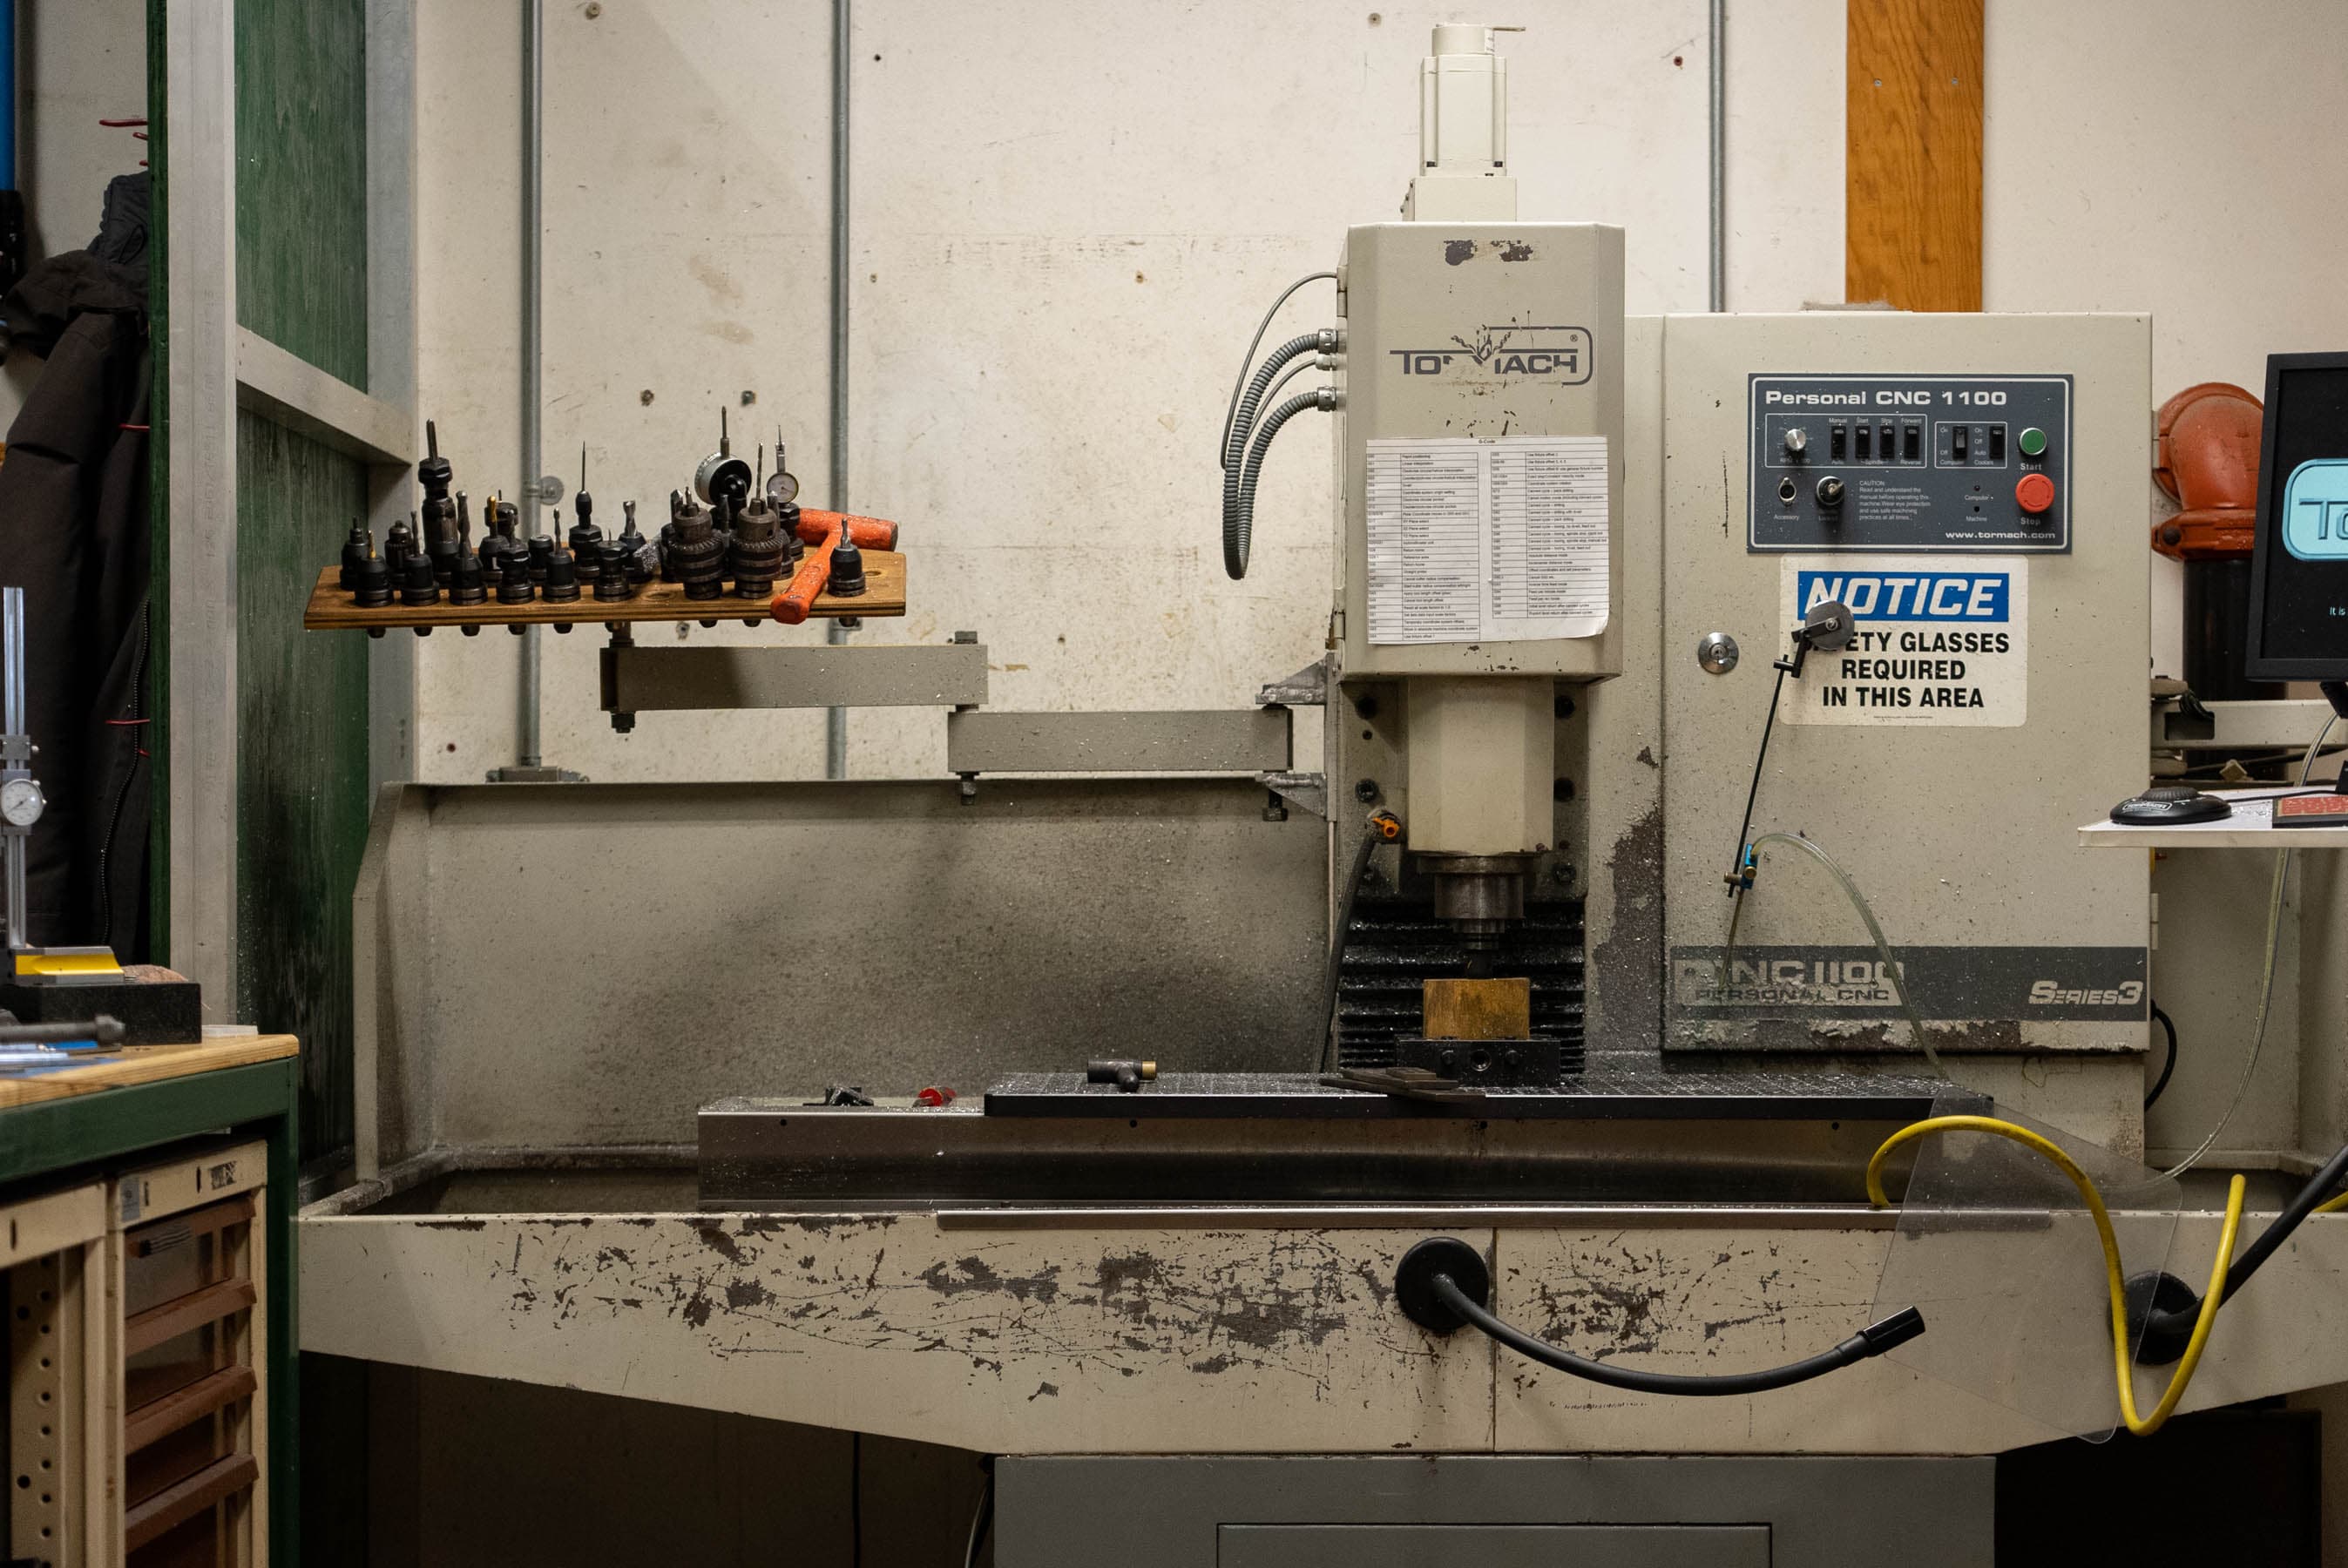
(1935, 640)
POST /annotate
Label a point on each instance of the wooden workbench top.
(142, 1064)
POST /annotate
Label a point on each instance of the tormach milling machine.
(1712, 705)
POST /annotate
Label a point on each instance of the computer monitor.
(2299, 566)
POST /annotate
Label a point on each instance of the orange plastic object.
(2033, 493)
(1387, 825)
(2208, 460)
(791, 606)
(869, 533)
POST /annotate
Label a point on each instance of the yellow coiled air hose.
(2142, 1426)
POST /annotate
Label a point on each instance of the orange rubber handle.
(791, 606)
(869, 533)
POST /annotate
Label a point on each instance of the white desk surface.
(2250, 827)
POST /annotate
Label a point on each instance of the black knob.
(1830, 491)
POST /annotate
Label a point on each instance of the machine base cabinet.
(1484, 1512)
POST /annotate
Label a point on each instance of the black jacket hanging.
(74, 534)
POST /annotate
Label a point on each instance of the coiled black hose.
(1239, 520)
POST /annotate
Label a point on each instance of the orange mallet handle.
(791, 605)
(869, 533)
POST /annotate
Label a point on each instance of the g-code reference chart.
(1501, 540)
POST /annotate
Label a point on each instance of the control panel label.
(1501, 539)
(2102, 984)
(1934, 641)
(1959, 464)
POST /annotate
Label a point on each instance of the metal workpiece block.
(1207, 741)
(651, 680)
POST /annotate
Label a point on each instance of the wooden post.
(1912, 170)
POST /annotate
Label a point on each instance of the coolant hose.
(1235, 439)
(1239, 524)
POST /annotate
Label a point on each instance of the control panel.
(1909, 462)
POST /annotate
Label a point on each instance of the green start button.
(2033, 442)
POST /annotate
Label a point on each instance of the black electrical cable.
(2167, 1329)
(2167, 1067)
(1872, 1340)
(1753, 790)
(2322, 1185)
(1371, 839)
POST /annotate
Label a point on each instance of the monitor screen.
(2299, 569)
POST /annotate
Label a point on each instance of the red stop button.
(2034, 494)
